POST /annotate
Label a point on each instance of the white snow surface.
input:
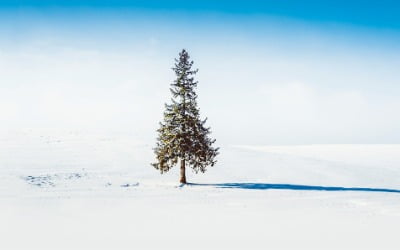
(83, 190)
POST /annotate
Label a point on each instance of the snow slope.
(82, 190)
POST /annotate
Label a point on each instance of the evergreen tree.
(182, 135)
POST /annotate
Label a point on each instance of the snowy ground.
(80, 190)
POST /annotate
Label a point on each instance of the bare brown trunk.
(183, 174)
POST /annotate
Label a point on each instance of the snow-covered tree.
(182, 136)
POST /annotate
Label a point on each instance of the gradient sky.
(271, 72)
(382, 14)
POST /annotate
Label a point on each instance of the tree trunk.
(183, 174)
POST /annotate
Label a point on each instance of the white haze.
(252, 94)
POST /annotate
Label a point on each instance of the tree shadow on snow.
(265, 186)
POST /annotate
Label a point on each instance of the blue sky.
(379, 14)
(271, 72)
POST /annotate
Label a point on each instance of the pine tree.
(182, 135)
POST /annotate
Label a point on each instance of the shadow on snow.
(264, 186)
